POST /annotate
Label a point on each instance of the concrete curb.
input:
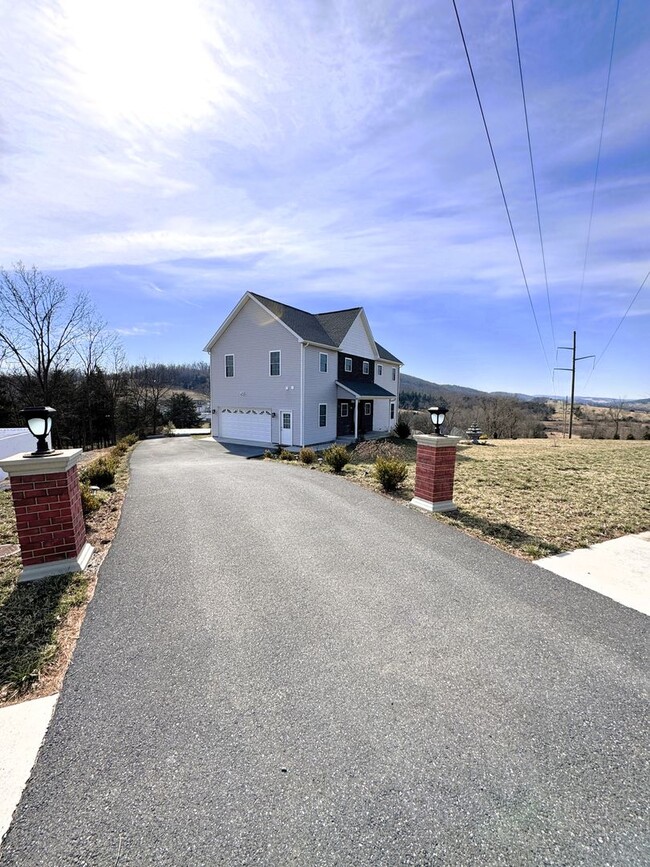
(22, 729)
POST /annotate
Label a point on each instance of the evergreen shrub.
(390, 472)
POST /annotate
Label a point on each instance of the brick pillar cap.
(435, 442)
(19, 465)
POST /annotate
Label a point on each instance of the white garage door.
(245, 424)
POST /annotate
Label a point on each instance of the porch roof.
(361, 390)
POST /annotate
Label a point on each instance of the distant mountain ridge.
(436, 389)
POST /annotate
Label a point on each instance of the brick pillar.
(434, 473)
(50, 521)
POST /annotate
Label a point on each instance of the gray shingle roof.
(326, 328)
(364, 389)
(338, 323)
(385, 354)
(306, 325)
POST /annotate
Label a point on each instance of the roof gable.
(336, 328)
(304, 324)
(338, 323)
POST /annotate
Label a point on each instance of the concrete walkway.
(22, 728)
(279, 667)
(619, 569)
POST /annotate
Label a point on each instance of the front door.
(345, 418)
(286, 432)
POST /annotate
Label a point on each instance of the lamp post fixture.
(39, 422)
(438, 414)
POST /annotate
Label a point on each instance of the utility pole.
(572, 371)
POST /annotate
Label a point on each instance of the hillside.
(425, 386)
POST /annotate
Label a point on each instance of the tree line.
(498, 416)
(55, 350)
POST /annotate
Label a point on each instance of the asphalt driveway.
(279, 667)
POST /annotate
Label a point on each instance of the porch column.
(49, 518)
(356, 418)
(434, 473)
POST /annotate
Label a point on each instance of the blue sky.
(168, 156)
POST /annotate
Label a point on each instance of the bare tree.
(615, 415)
(39, 325)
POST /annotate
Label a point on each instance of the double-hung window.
(229, 363)
(380, 369)
(322, 362)
(392, 411)
(348, 365)
(274, 363)
(322, 415)
(366, 367)
(394, 374)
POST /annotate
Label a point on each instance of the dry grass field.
(544, 496)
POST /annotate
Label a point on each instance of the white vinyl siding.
(323, 362)
(357, 340)
(229, 365)
(275, 362)
(251, 335)
(319, 388)
(322, 415)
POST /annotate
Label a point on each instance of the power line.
(505, 201)
(623, 317)
(532, 169)
(600, 145)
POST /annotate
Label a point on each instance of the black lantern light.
(438, 414)
(39, 422)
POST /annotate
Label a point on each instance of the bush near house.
(307, 456)
(390, 472)
(402, 428)
(336, 457)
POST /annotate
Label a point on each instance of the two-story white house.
(279, 375)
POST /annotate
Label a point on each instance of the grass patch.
(540, 497)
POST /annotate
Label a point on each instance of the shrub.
(390, 473)
(269, 454)
(336, 457)
(307, 456)
(168, 429)
(630, 436)
(122, 446)
(402, 428)
(286, 455)
(100, 472)
(90, 502)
